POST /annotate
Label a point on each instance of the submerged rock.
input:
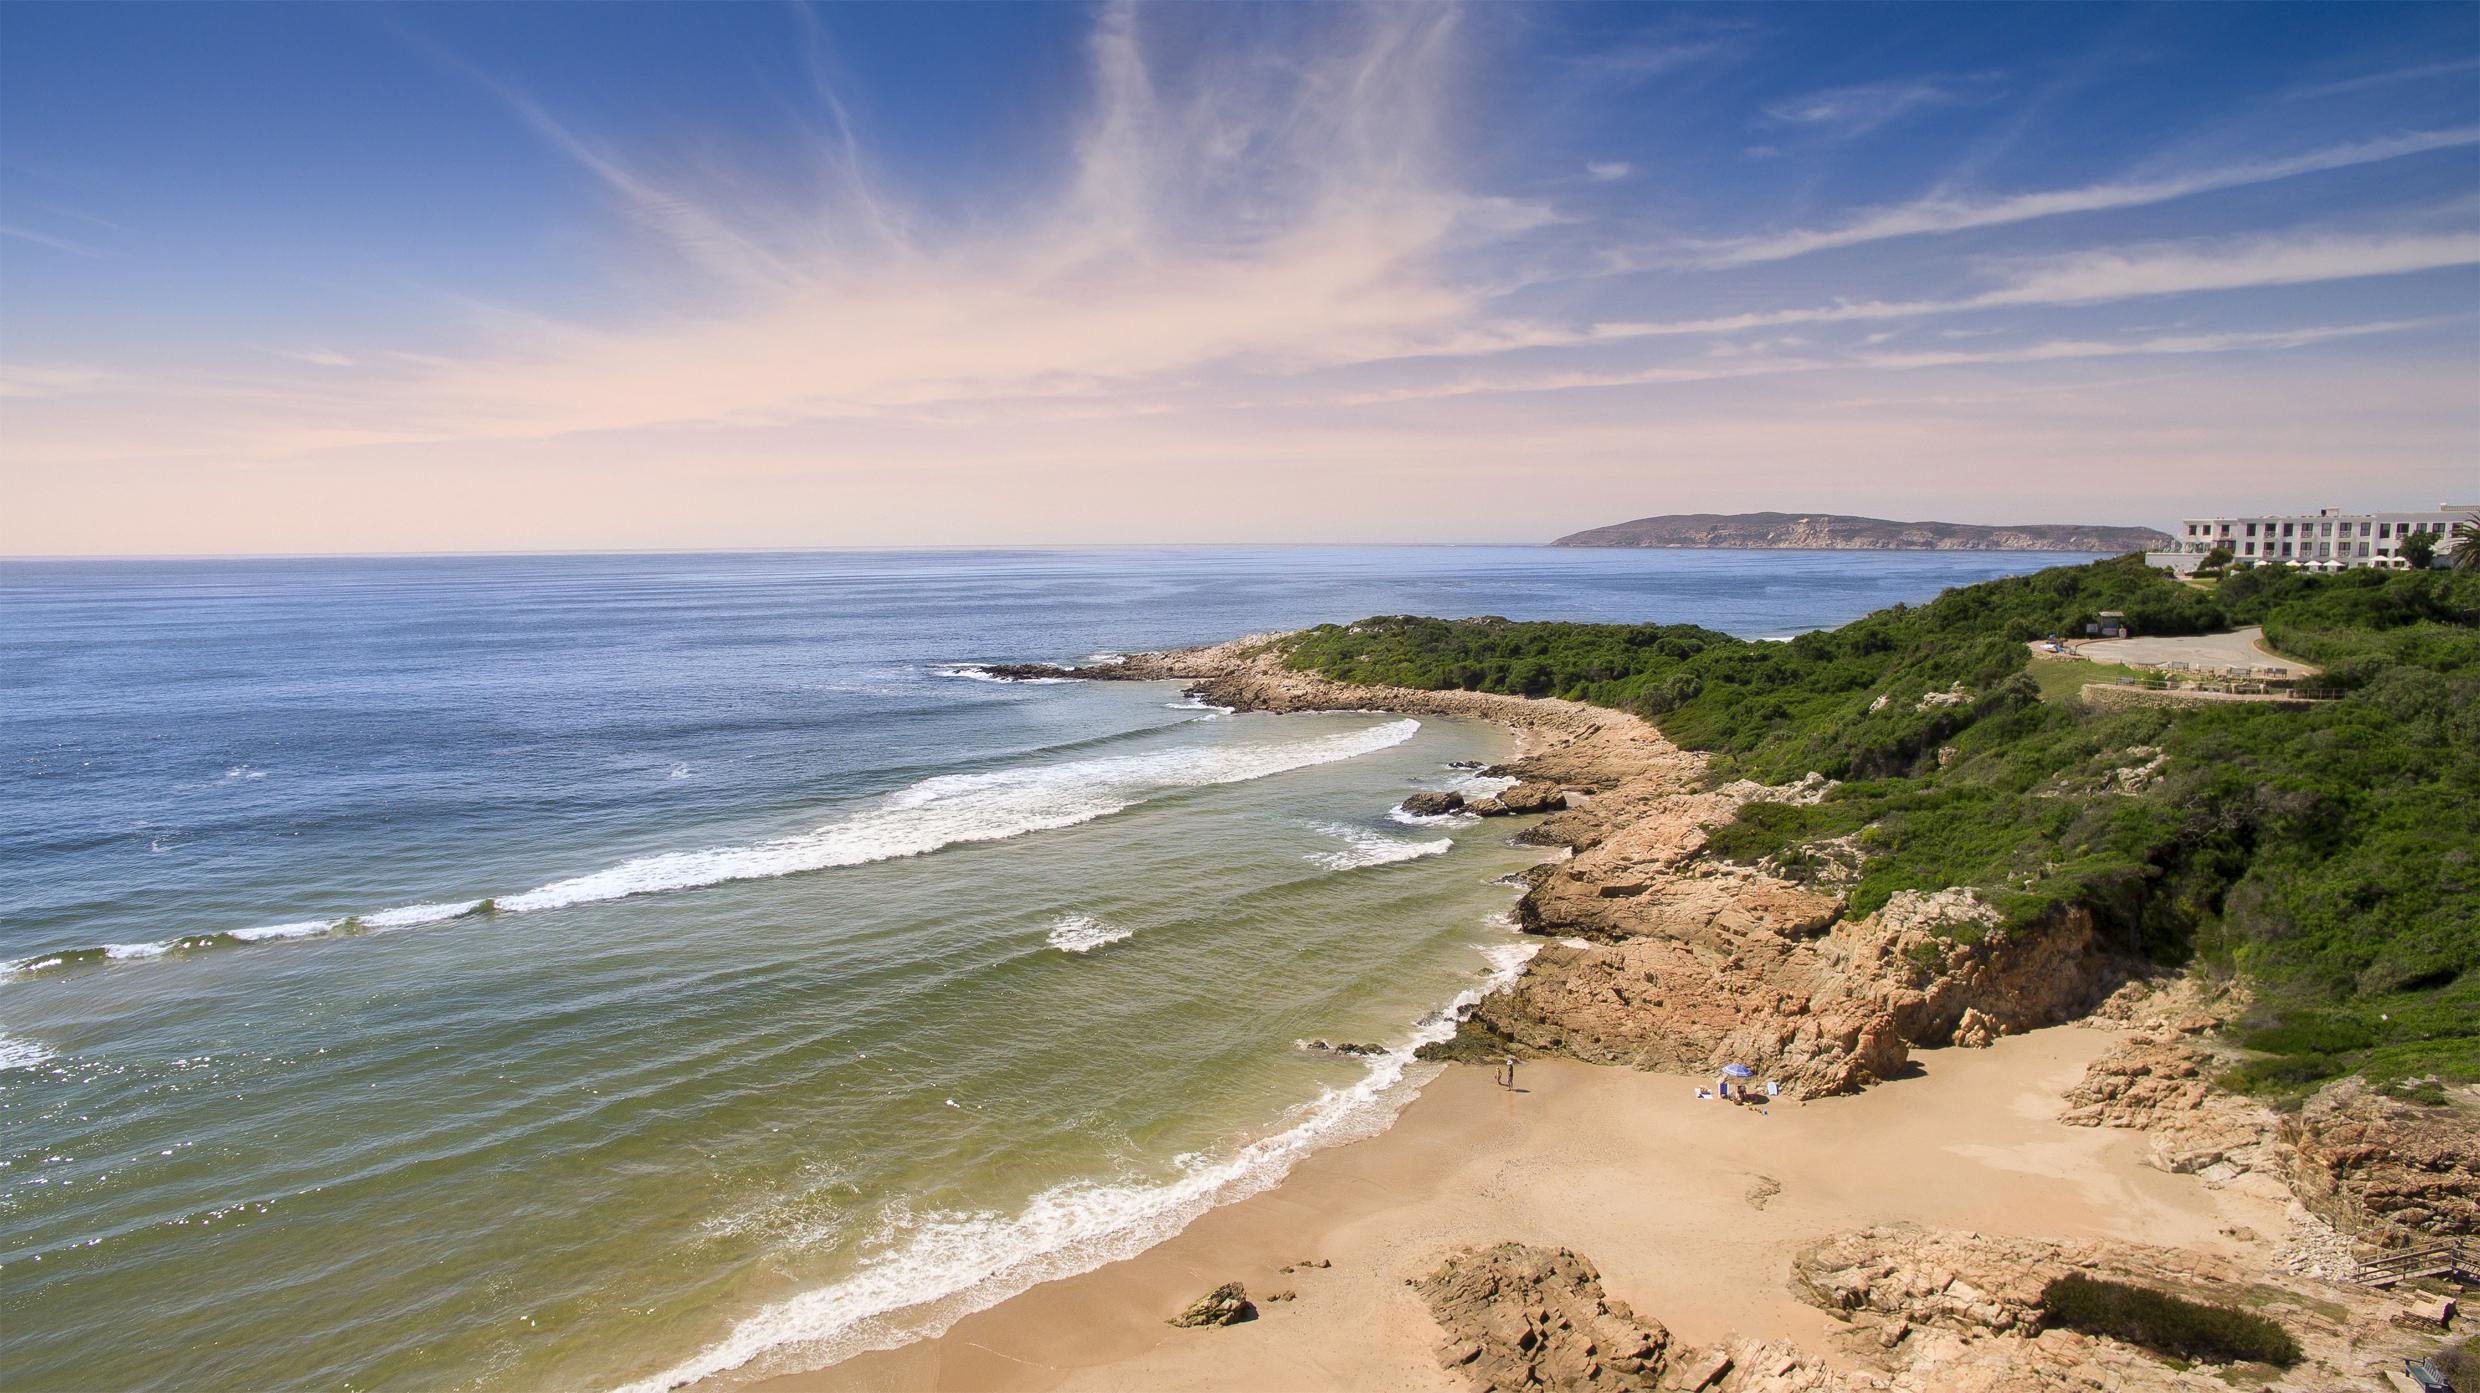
(1227, 1304)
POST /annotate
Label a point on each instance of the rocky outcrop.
(1522, 1318)
(2386, 1171)
(1690, 967)
(2379, 1169)
(1669, 958)
(1432, 804)
(1535, 797)
(1227, 1304)
(1920, 1311)
(1928, 1308)
(2160, 1081)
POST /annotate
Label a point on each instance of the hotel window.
(2286, 548)
(2251, 527)
(2381, 529)
(2363, 548)
(2363, 531)
(2248, 550)
(2287, 528)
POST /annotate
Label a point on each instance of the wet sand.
(1673, 1198)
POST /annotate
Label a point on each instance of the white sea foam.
(1431, 819)
(957, 808)
(1363, 847)
(931, 1270)
(935, 813)
(20, 1054)
(268, 933)
(414, 916)
(1083, 933)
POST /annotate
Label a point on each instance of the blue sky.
(320, 278)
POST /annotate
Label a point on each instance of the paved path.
(2237, 649)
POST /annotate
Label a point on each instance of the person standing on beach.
(1507, 1071)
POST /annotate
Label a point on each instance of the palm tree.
(2467, 544)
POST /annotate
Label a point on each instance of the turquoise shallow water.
(823, 992)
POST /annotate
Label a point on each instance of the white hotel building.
(2328, 540)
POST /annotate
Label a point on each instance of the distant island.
(1835, 532)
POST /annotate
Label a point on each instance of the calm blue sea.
(505, 972)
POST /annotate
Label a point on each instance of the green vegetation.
(2167, 1324)
(2330, 853)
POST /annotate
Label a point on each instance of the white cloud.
(2097, 277)
(1948, 214)
(1845, 112)
(1608, 171)
(2388, 78)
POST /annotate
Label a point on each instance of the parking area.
(2240, 648)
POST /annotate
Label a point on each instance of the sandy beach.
(1691, 1208)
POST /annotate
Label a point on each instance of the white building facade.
(2326, 540)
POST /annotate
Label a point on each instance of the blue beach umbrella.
(1739, 1071)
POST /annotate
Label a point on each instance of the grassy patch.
(2166, 1324)
(2063, 679)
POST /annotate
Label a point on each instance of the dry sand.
(1630, 1169)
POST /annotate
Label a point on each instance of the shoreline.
(1696, 1211)
(1706, 1216)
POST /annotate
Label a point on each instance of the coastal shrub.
(2166, 1324)
(2330, 854)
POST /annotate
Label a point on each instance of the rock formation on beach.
(1836, 532)
(1663, 955)
(1519, 1317)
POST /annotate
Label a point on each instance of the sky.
(362, 278)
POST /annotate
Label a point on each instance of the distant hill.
(1834, 532)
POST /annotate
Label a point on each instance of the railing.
(2456, 1259)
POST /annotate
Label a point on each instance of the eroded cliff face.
(1670, 959)
(1664, 957)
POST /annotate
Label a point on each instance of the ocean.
(598, 971)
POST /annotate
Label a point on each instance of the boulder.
(1533, 798)
(1433, 804)
(1227, 1304)
(1520, 1317)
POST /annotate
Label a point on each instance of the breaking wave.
(1363, 847)
(934, 1269)
(1083, 933)
(949, 810)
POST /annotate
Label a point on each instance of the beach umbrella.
(1739, 1071)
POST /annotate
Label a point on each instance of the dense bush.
(2164, 1323)
(2331, 854)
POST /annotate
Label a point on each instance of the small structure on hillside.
(2112, 624)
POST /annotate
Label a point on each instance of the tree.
(2467, 544)
(2419, 549)
(2215, 562)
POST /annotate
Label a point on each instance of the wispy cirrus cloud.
(2101, 276)
(1958, 214)
(1844, 113)
(2417, 72)
(46, 239)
